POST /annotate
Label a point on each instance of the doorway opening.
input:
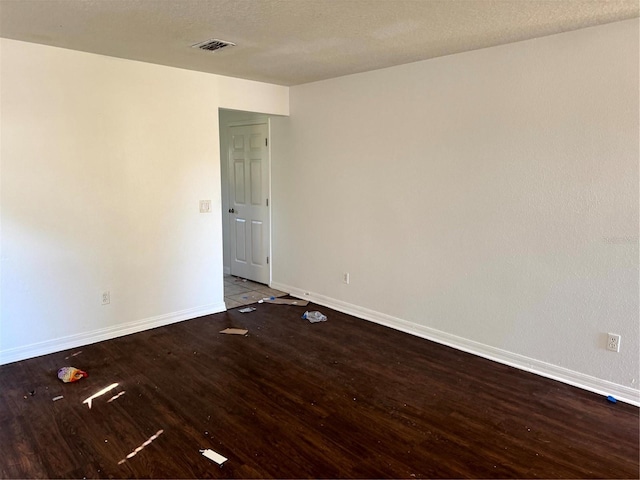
(245, 174)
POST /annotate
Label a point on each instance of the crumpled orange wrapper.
(71, 374)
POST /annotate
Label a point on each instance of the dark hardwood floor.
(341, 399)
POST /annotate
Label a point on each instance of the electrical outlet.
(345, 278)
(613, 342)
(106, 297)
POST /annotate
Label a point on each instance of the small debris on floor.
(32, 393)
(285, 301)
(247, 310)
(59, 397)
(71, 374)
(234, 331)
(314, 316)
(73, 355)
(211, 455)
(611, 399)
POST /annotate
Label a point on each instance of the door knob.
(231, 210)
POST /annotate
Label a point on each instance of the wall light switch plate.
(205, 206)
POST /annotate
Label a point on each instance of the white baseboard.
(561, 374)
(99, 335)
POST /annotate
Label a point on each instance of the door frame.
(226, 219)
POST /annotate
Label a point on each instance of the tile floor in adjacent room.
(239, 291)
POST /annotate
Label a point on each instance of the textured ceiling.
(289, 42)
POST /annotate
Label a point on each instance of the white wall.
(103, 163)
(488, 200)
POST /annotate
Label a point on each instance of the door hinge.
(267, 260)
(267, 202)
(266, 142)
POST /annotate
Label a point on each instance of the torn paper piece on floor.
(211, 455)
(235, 331)
(247, 310)
(59, 397)
(285, 301)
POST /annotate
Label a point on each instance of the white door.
(248, 205)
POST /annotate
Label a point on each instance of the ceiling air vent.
(213, 45)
